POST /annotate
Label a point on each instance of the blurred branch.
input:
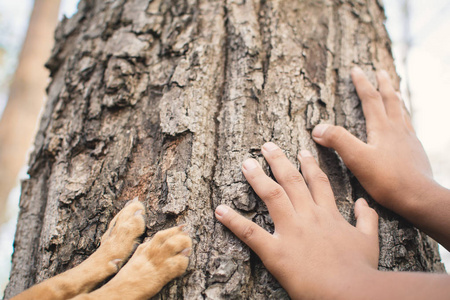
(407, 43)
(27, 92)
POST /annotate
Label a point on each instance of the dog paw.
(154, 264)
(168, 251)
(120, 239)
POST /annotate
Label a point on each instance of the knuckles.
(274, 193)
(293, 178)
(320, 177)
(244, 230)
(371, 94)
(248, 232)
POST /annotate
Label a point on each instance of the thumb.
(366, 218)
(346, 145)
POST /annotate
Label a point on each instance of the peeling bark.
(164, 100)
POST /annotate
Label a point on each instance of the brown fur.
(154, 263)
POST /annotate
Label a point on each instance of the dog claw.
(186, 252)
(183, 227)
(117, 262)
(136, 199)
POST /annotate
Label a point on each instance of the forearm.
(430, 212)
(375, 285)
(371, 284)
(407, 285)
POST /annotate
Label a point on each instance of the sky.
(427, 68)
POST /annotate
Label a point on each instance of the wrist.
(413, 200)
(350, 283)
(356, 285)
(430, 212)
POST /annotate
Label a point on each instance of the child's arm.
(392, 166)
(314, 253)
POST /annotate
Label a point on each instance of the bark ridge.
(164, 99)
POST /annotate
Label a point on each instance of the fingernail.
(363, 201)
(270, 146)
(186, 252)
(357, 70)
(319, 130)
(305, 153)
(250, 164)
(221, 210)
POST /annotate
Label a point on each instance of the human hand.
(392, 166)
(314, 252)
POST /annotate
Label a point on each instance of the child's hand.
(314, 252)
(392, 166)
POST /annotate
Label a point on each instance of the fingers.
(371, 100)
(350, 148)
(273, 195)
(254, 236)
(406, 114)
(392, 103)
(366, 219)
(318, 182)
(287, 176)
(379, 106)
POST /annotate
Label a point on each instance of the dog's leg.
(154, 264)
(116, 246)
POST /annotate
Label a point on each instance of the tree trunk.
(26, 95)
(164, 100)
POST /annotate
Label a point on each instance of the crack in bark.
(264, 28)
(213, 187)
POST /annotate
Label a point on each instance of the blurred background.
(419, 29)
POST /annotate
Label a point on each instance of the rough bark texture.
(164, 100)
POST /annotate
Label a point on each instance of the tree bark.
(164, 100)
(26, 95)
